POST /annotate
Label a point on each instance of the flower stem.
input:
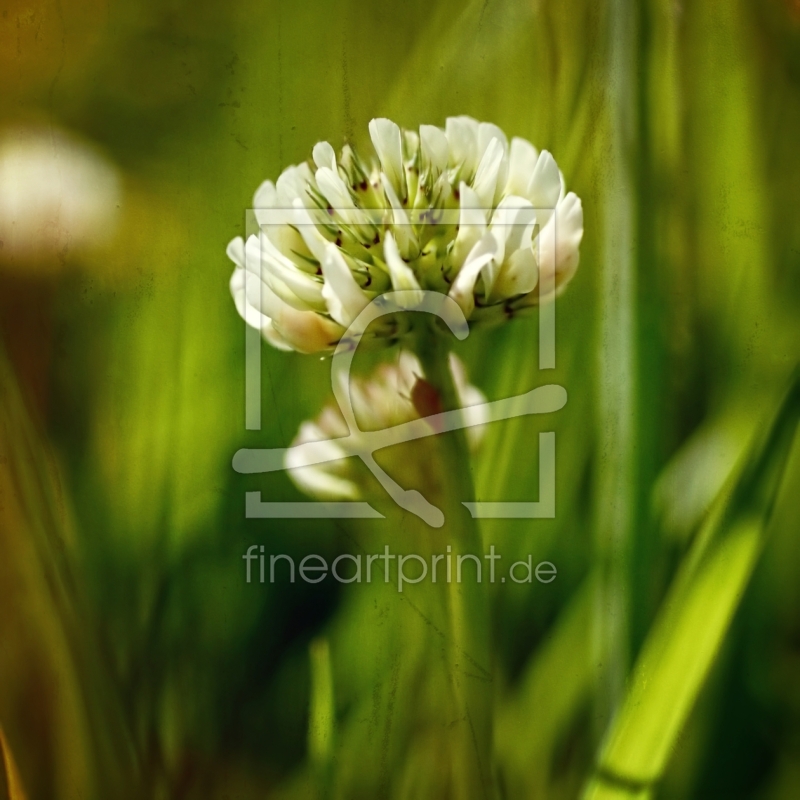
(468, 603)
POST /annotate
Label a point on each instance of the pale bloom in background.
(57, 195)
(456, 210)
(394, 394)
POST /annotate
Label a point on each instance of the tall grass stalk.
(99, 731)
(616, 359)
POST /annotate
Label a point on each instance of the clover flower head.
(395, 393)
(56, 194)
(457, 210)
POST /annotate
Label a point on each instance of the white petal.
(544, 186)
(486, 132)
(337, 193)
(319, 480)
(462, 138)
(324, 155)
(405, 376)
(235, 251)
(311, 433)
(266, 196)
(521, 163)
(272, 336)
(249, 313)
(334, 189)
(283, 326)
(307, 331)
(270, 211)
(314, 240)
(403, 278)
(485, 181)
(289, 243)
(345, 298)
(261, 297)
(388, 144)
(463, 288)
(568, 222)
(471, 224)
(406, 240)
(512, 221)
(503, 227)
(512, 224)
(306, 289)
(253, 317)
(569, 233)
(434, 147)
(519, 274)
(260, 257)
(293, 183)
(410, 145)
(472, 401)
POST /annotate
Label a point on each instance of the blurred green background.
(133, 655)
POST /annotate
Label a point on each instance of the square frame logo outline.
(260, 461)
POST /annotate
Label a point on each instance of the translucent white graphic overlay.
(363, 444)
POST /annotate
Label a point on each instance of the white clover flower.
(56, 194)
(394, 394)
(454, 210)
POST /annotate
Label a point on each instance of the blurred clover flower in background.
(56, 194)
(457, 211)
(394, 394)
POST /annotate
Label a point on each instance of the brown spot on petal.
(426, 398)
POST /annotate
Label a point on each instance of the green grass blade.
(695, 617)
(93, 745)
(554, 686)
(321, 717)
(616, 359)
